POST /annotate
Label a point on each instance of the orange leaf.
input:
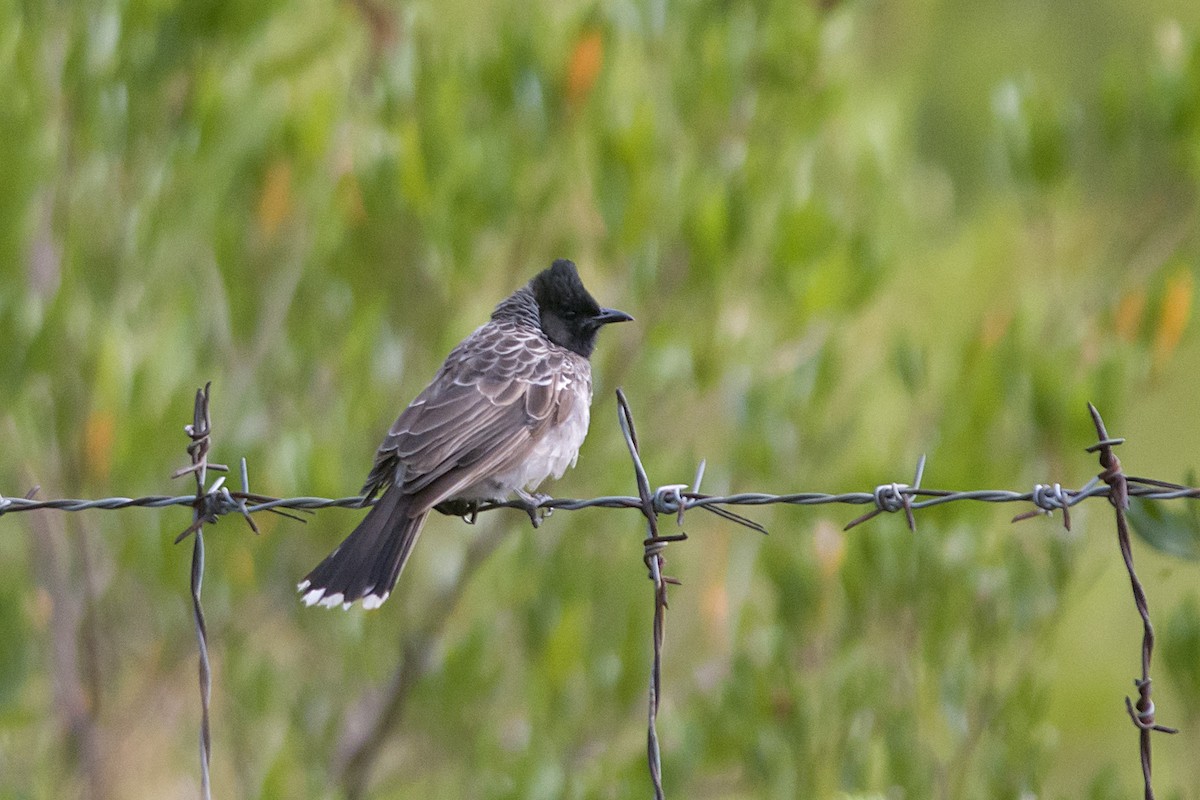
(275, 201)
(99, 432)
(584, 66)
(1128, 317)
(1173, 318)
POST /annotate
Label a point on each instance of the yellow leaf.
(275, 200)
(1127, 320)
(1173, 318)
(829, 547)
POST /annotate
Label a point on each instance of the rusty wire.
(653, 546)
(1143, 713)
(210, 503)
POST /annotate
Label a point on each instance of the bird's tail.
(367, 564)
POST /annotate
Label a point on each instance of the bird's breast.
(554, 451)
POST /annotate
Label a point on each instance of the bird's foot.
(467, 509)
(531, 504)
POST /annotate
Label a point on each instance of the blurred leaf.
(1181, 652)
(15, 654)
(587, 58)
(1174, 315)
(1176, 533)
(1107, 786)
(99, 435)
(275, 199)
(1130, 311)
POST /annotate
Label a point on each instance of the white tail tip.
(372, 601)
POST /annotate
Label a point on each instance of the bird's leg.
(531, 505)
(459, 507)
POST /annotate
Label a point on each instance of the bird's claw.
(467, 509)
(531, 504)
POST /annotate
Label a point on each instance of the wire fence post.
(1142, 713)
(653, 546)
(199, 432)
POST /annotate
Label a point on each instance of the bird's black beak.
(608, 315)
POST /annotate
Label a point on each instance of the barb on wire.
(1142, 713)
(892, 497)
(1048, 497)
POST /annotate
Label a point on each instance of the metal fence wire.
(213, 500)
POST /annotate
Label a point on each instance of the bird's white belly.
(550, 457)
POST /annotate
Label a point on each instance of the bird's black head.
(570, 316)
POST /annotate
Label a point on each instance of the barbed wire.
(217, 500)
(666, 500)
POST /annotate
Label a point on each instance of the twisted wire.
(670, 499)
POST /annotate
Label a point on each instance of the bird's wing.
(496, 395)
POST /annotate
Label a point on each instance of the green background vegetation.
(850, 233)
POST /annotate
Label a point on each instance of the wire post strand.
(1142, 713)
(199, 432)
(653, 547)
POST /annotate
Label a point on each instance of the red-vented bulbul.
(508, 409)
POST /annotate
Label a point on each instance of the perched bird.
(508, 409)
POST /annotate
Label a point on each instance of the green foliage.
(850, 234)
(1174, 532)
(1182, 654)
